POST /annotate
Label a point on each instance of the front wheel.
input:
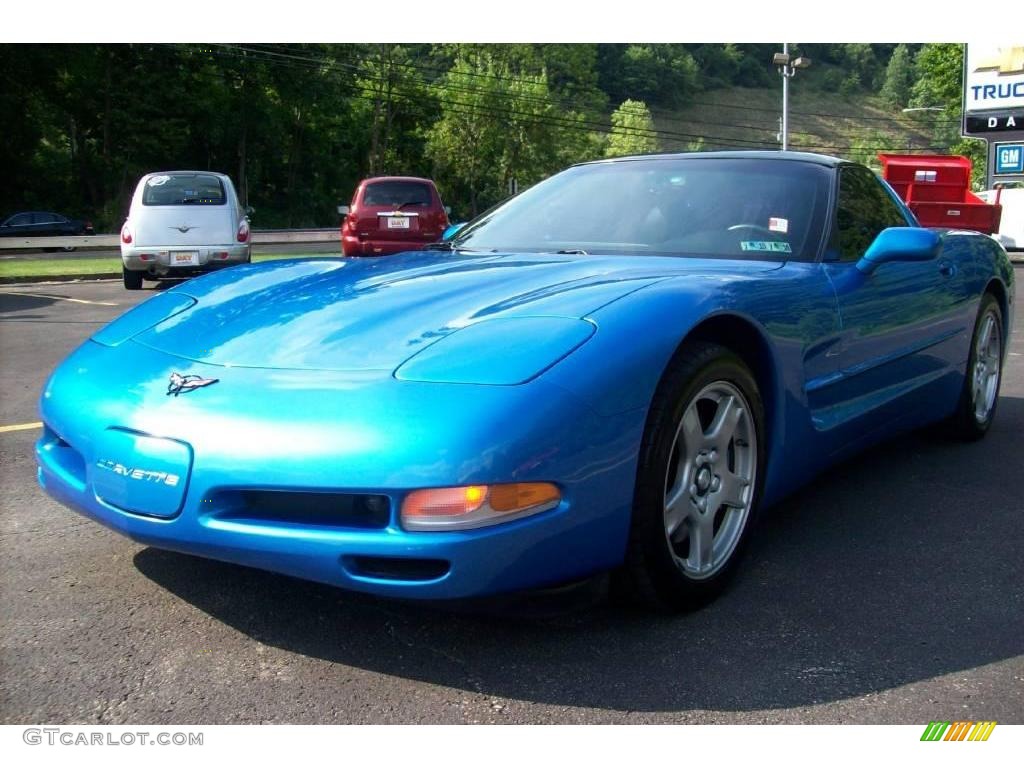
(698, 480)
(977, 406)
(132, 279)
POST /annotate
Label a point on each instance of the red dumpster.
(937, 189)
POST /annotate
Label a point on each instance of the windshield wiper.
(573, 251)
(449, 245)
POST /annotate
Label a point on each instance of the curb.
(58, 278)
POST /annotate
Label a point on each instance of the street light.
(787, 68)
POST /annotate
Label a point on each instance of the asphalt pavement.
(888, 591)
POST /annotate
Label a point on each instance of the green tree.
(899, 77)
(939, 68)
(498, 123)
(632, 130)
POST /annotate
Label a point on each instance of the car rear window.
(183, 189)
(396, 193)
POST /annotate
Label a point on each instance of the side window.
(19, 219)
(43, 218)
(865, 209)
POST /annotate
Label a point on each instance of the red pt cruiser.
(390, 214)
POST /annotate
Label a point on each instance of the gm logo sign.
(1009, 158)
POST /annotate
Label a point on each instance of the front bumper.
(346, 433)
(156, 259)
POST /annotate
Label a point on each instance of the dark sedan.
(44, 224)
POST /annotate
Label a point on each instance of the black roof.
(743, 154)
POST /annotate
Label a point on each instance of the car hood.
(374, 314)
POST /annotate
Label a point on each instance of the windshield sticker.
(158, 181)
(765, 245)
(778, 225)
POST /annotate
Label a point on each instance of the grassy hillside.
(735, 118)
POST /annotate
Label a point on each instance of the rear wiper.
(573, 251)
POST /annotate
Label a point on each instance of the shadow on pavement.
(895, 567)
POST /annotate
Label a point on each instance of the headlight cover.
(502, 351)
(142, 317)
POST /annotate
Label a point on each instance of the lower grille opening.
(397, 568)
(64, 457)
(332, 510)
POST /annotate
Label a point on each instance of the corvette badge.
(179, 383)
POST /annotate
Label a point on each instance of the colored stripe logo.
(960, 730)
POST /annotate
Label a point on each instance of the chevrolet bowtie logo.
(1008, 61)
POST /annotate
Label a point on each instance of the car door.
(901, 324)
(45, 224)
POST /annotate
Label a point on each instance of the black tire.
(132, 279)
(651, 574)
(965, 424)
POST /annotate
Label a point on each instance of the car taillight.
(243, 231)
(126, 235)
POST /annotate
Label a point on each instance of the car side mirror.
(343, 210)
(447, 210)
(249, 211)
(900, 244)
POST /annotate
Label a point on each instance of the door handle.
(947, 269)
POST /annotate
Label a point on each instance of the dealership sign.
(994, 78)
(993, 107)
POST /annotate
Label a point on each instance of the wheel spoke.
(701, 543)
(731, 492)
(724, 424)
(986, 332)
(692, 434)
(677, 509)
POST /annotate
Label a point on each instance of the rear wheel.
(132, 279)
(698, 480)
(984, 374)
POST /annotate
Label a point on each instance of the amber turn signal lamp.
(474, 506)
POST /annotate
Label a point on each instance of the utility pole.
(787, 69)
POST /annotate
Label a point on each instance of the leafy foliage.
(632, 128)
(899, 77)
(297, 126)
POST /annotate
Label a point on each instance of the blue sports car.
(613, 371)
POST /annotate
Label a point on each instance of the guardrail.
(259, 237)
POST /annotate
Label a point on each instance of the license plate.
(184, 259)
(398, 222)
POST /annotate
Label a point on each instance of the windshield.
(183, 189)
(684, 206)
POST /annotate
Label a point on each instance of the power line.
(536, 119)
(513, 78)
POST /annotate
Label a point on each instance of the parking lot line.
(60, 298)
(19, 427)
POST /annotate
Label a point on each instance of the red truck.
(937, 188)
